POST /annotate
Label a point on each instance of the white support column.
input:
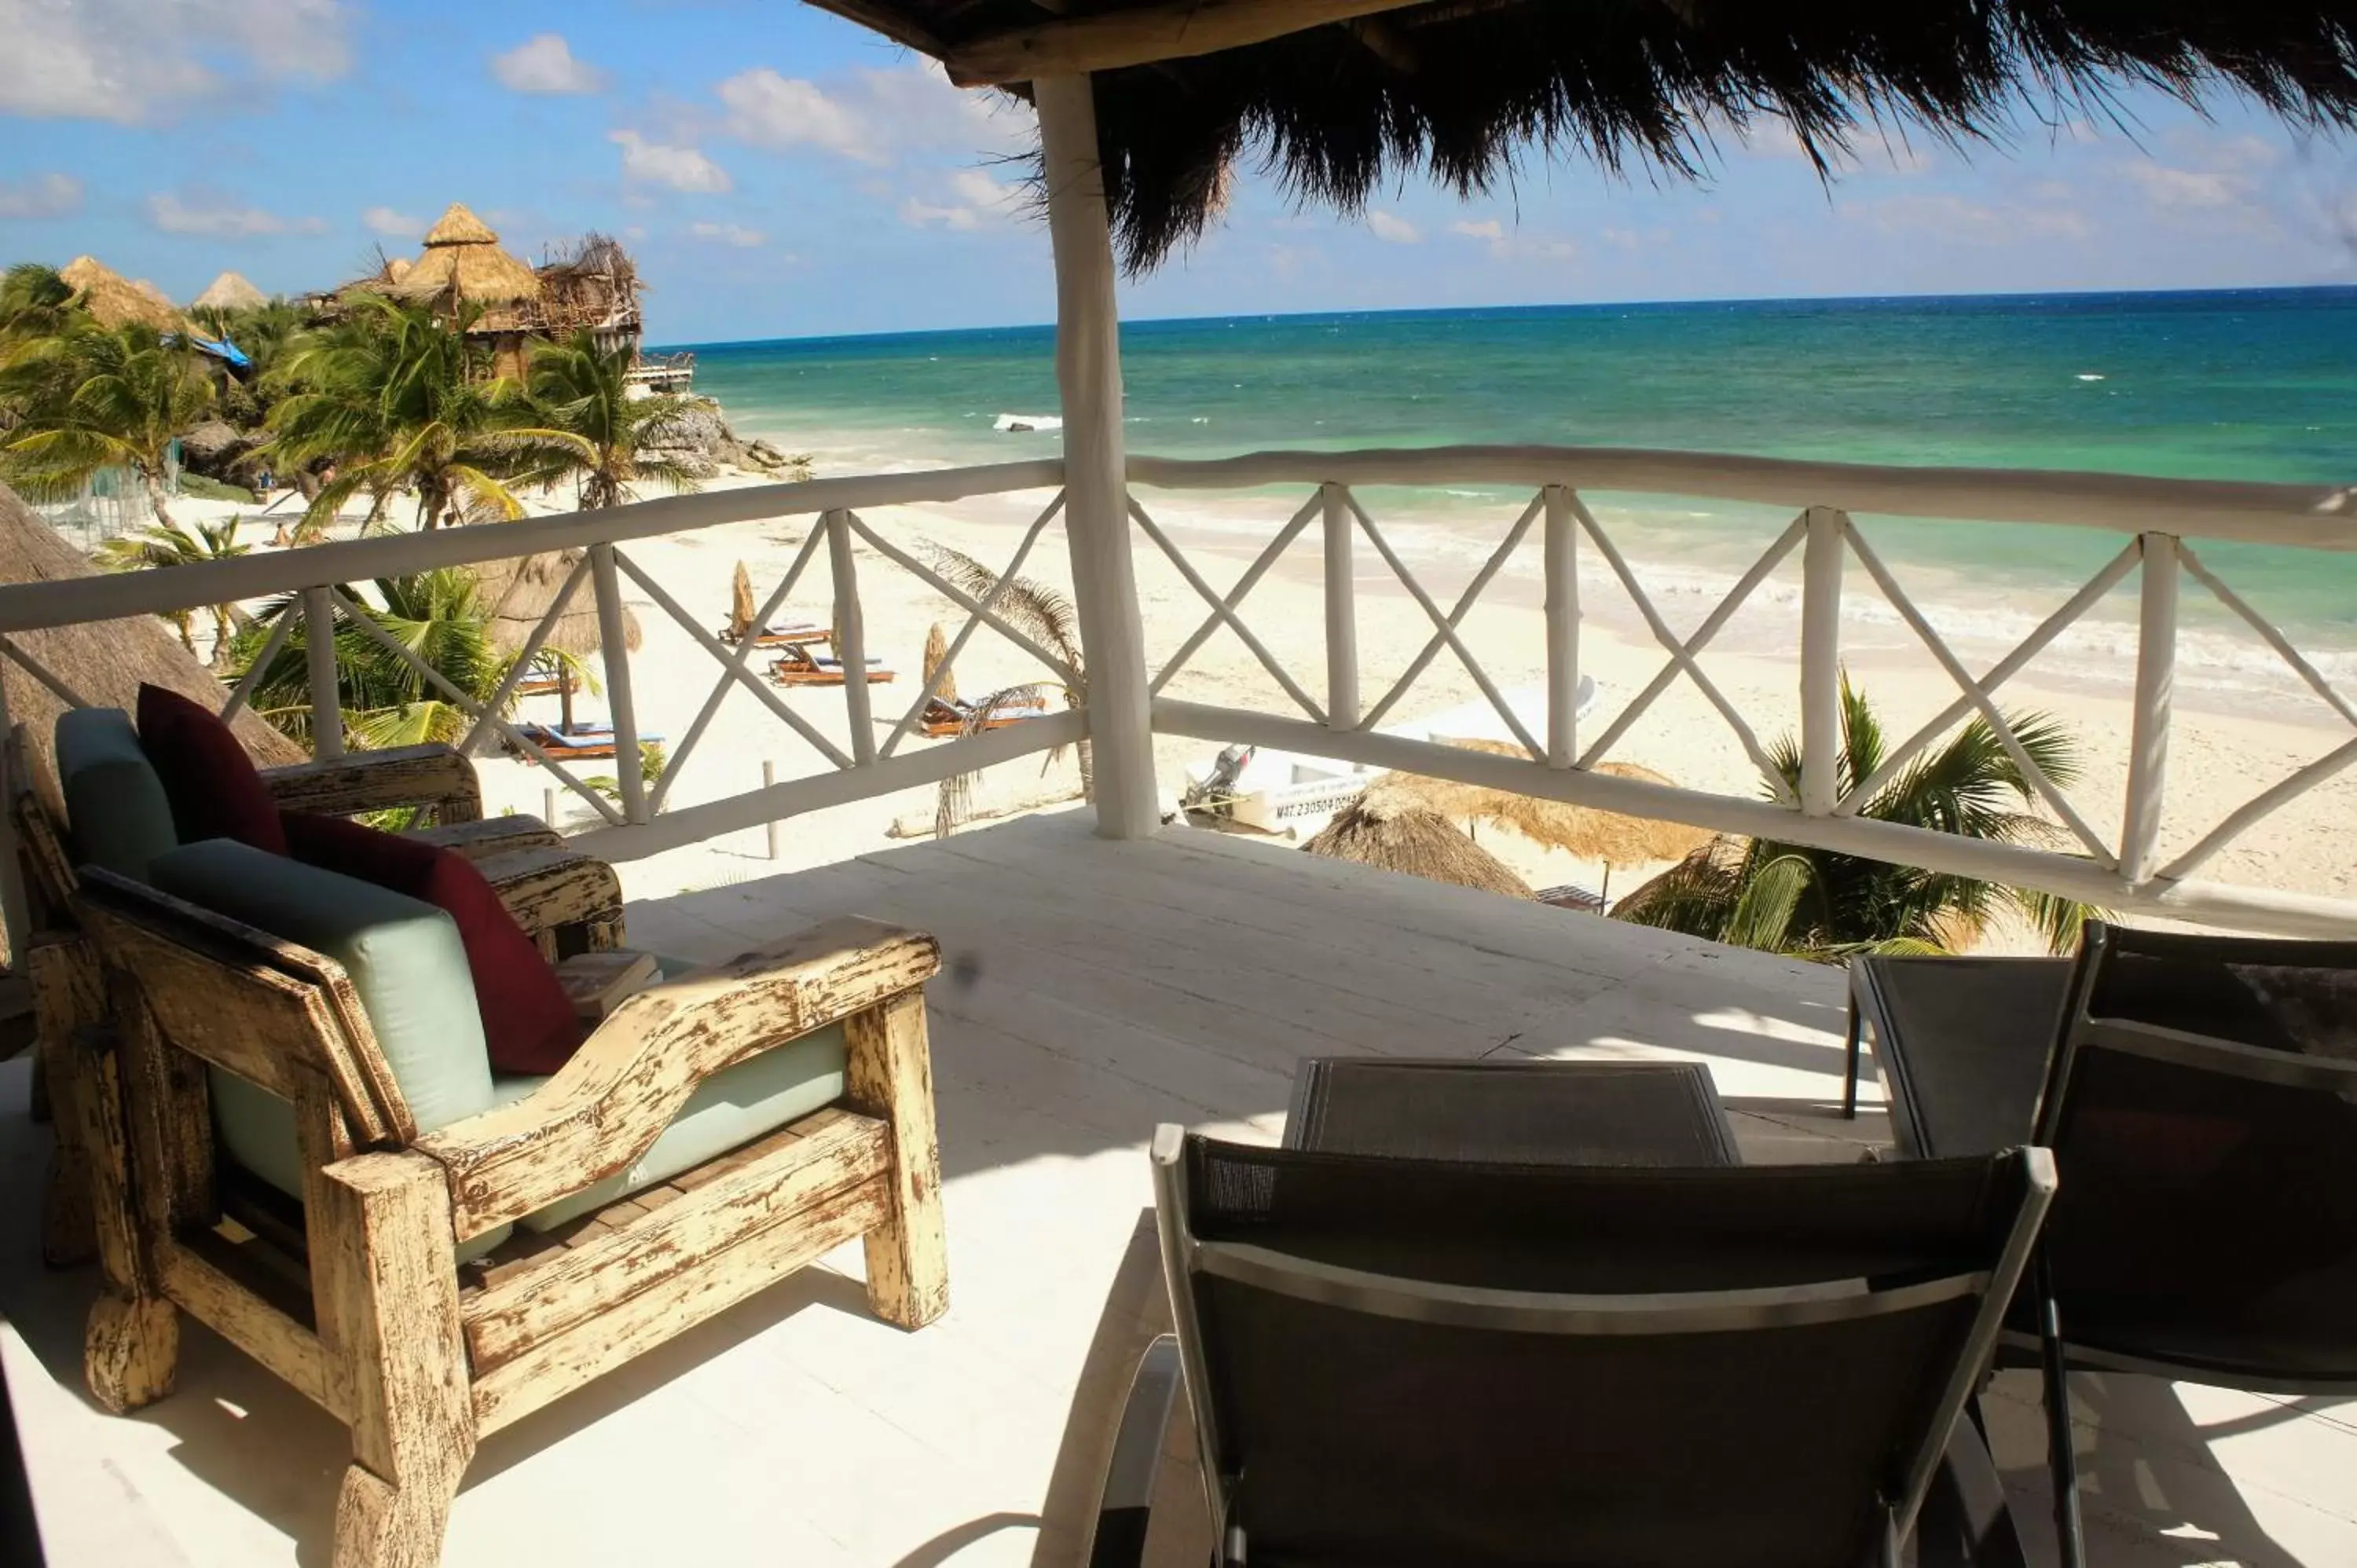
(614, 648)
(851, 639)
(319, 656)
(2148, 739)
(1562, 567)
(1341, 612)
(1820, 589)
(1088, 370)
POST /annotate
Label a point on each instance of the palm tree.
(161, 546)
(96, 397)
(584, 391)
(399, 400)
(1818, 903)
(36, 303)
(1048, 618)
(436, 616)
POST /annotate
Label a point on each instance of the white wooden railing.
(2161, 524)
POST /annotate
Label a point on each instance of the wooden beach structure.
(464, 273)
(1103, 969)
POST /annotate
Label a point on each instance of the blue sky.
(779, 172)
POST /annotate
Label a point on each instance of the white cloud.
(218, 217)
(734, 234)
(547, 63)
(392, 225)
(1488, 229)
(659, 163)
(40, 196)
(972, 199)
(772, 110)
(1956, 218)
(2166, 186)
(134, 61)
(1392, 229)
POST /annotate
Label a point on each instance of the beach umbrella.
(231, 291)
(937, 650)
(741, 607)
(1383, 830)
(1584, 832)
(101, 663)
(516, 595)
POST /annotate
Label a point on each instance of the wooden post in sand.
(1096, 492)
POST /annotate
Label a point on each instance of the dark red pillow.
(528, 1021)
(212, 784)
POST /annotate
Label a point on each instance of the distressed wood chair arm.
(600, 1112)
(571, 901)
(488, 836)
(431, 776)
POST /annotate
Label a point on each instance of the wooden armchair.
(359, 1295)
(569, 902)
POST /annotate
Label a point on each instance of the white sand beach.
(2237, 730)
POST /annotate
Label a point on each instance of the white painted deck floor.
(1093, 990)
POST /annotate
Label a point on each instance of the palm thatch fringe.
(113, 300)
(937, 650)
(741, 607)
(1382, 830)
(1581, 831)
(519, 594)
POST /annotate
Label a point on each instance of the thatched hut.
(1584, 832)
(1383, 829)
(464, 266)
(113, 300)
(101, 663)
(591, 284)
(231, 291)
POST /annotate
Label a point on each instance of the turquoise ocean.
(2247, 384)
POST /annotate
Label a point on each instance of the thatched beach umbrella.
(231, 291)
(102, 663)
(936, 651)
(1581, 831)
(113, 300)
(741, 607)
(1385, 830)
(516, 595)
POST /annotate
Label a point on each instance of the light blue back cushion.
(115, 806)
(750, 1099)
(404, 960)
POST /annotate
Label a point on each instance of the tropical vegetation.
(1821, 905)
(1048, 618)
(94, 397)
(582, 392)
(163, 546)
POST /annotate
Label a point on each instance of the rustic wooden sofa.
(375, 1294)
(571, 903)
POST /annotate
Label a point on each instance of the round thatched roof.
(115, 300)
(231, 291)
(103, 662)
(518, 594)
(1384, 831)
(1460, 89)
(463, 259)
(1582, 830)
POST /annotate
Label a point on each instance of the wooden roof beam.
(1141, 35)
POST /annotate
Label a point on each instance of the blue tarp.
(223, 350)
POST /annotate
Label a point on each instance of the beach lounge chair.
(2199, 1094)
(949, 715)
(430, 1253)
(783, 635)
(1397, 1361)
(554, 683)
(798, 666)
(580, 743)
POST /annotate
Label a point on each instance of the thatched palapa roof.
(1582, 830)
(463, 261)
(1392, 834)
(231, 291)
(115, 300)
(517, 594)
(1340, 97)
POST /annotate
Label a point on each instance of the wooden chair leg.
(131, 1345)
(890, 1076)
(386, 1275)
(68, 996)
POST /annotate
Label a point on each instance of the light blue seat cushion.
(405, 961)
(115, 806)
(749, 1101)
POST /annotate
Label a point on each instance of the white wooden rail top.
(2156, 518)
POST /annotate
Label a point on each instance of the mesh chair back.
(1403, 1362)
(2202, 1111)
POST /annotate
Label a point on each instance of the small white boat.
(1275, 791)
